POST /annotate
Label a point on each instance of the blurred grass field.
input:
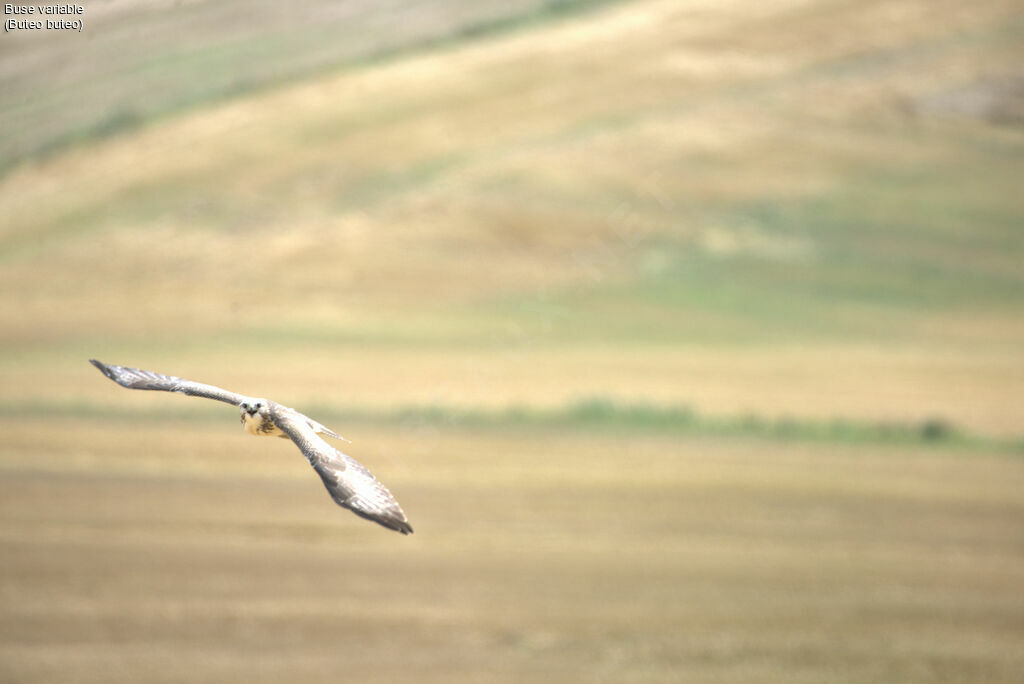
(688, 334)
(538, 556)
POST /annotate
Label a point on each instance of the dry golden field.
(689, 334)
(181, 552)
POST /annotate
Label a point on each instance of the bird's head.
(251, 407)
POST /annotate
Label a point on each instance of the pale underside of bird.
(349, 483)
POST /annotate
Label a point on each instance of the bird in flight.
(349, 483)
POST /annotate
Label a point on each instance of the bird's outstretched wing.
(349, 483)
(133, 378)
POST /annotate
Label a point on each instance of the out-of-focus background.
(689, 333)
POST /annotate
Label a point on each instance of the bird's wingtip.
(104, 368)
(400, 525)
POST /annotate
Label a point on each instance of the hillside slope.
(799, 209)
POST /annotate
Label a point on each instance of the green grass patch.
(595, 413)
(599, 413)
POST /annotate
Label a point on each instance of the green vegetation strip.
(587, 414)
